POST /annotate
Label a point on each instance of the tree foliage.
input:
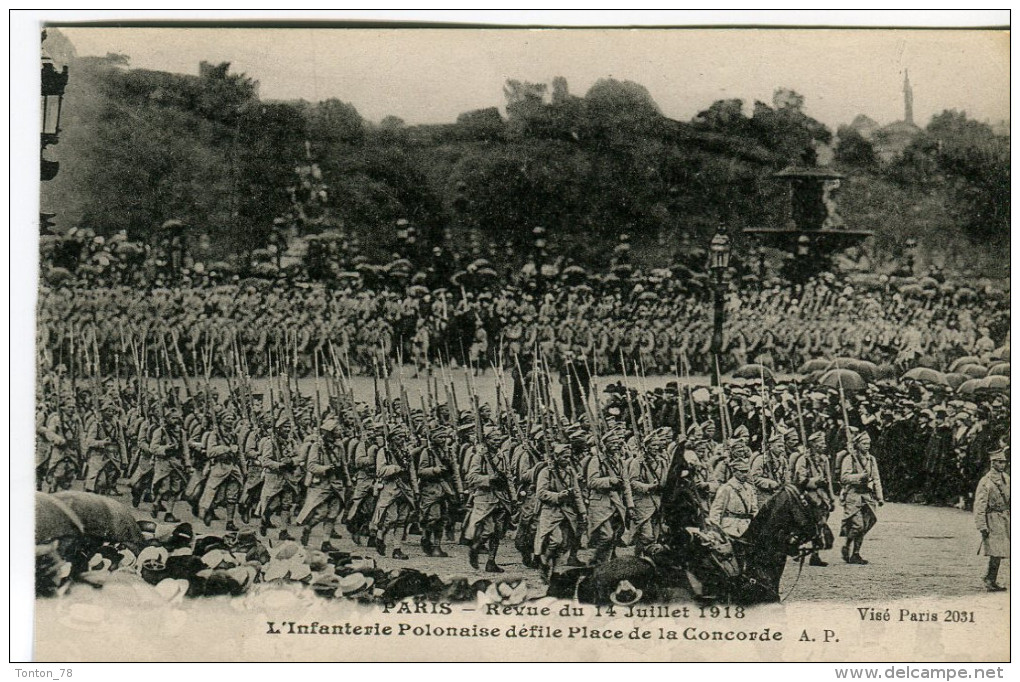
(142, 147)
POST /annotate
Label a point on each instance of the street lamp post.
(911, 254)
(719, 262)
(53, 84)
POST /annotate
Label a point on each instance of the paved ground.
(914, 551)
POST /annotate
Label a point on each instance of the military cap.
(999, 455)
(330, 425)
(740, 450)
(817, 438)
(741, 432)
(740, 465)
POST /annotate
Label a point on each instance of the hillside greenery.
(142, 147)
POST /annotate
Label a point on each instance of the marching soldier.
(141, 471)
(811, 476)
(396, 499)
(249, 443)
(277, 461)
(609, 504)
(559, 515)
(101, 452)
(168, 475)
(360, 506)
(768, 469)
(525, 462)
(992, 515)
(437, 491)
(491, 505)
(646, 472)
(735, 503)
(862, 493)
(53, 465)
(324, 482)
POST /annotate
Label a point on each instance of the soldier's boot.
(266, 524)
(156, 507)
(426, 544)
(231, 526)
(208, 517)
(845, 550)
(572, 559)
(306, 535)
(548, 568)
(491, 566)
(855, 556)
(244, 512)
(380, 544)
(284, 535)
(817, 560)
(473, 551)
(991, 577)
(136, 497)
(398, 553)
(603, 552)
(437, 548)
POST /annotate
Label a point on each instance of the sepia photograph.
(466, 343)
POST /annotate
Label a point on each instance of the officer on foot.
(991, 515)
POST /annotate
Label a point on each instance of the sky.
(431, 76)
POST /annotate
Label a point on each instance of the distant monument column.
(908, 99)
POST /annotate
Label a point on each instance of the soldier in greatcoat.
(991, 515)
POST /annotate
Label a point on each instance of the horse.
(690, 564)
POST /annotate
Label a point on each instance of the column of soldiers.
(284, 461)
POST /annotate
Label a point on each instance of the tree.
(482, 124)
(333, 124)
(725, 115)
(270, 144)
(619, 109)
(786, 129)
(392, 123)
(525, 107)
(853, 150)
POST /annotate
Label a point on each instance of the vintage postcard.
(465, 344)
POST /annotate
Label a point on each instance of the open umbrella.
(927, 375)
(850, 380)
(54, 519)
(867, 370)
(965, 360)
(970, 386)
(973, 370)
(815, 365)
(955, 379)
(102, 517)
(754, 371)
(996, 382)
(1001, 369)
